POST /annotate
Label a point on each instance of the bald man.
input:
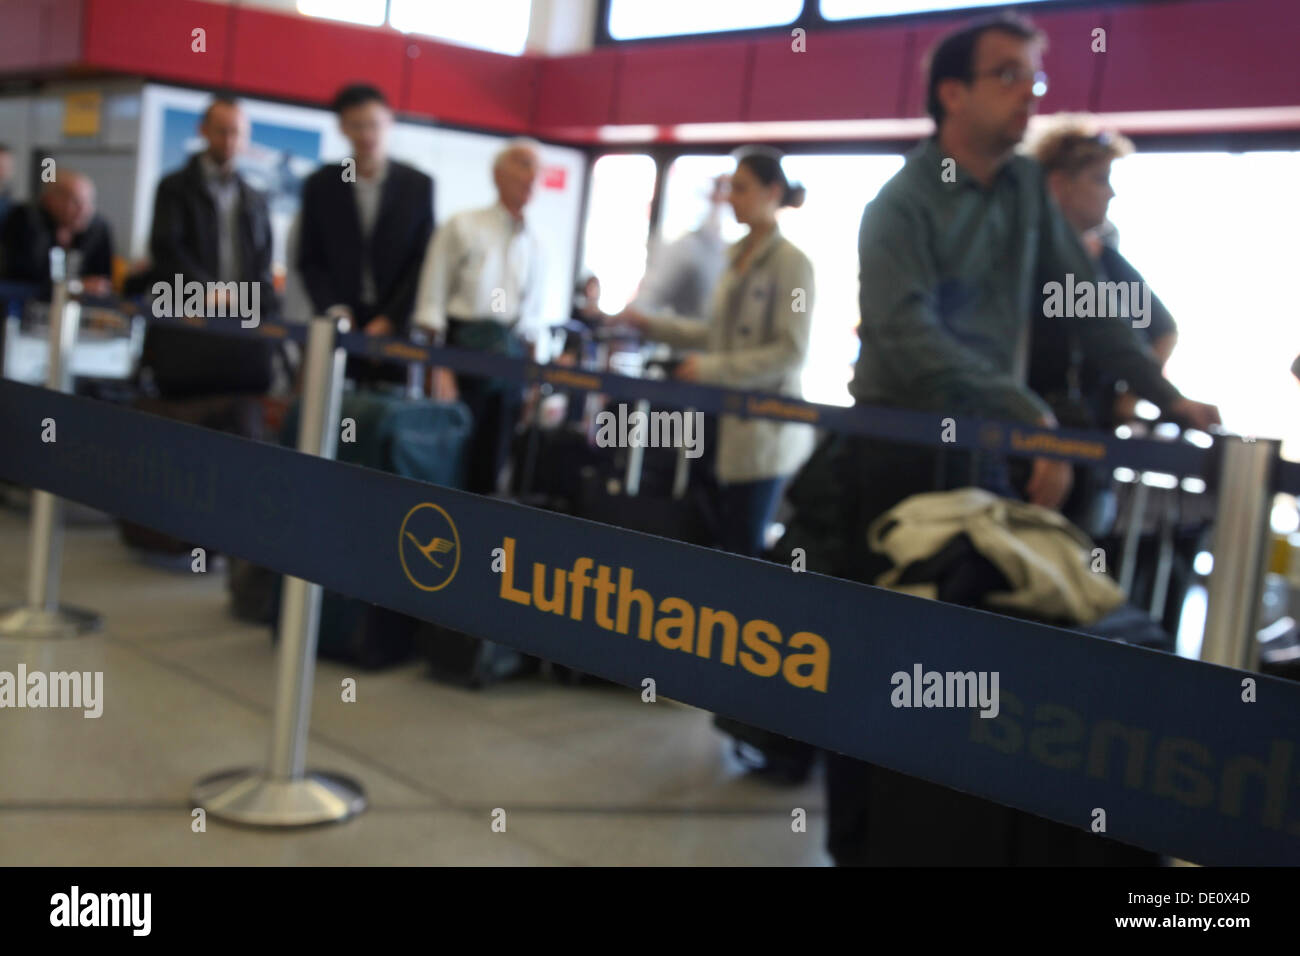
(480, 288)
(64, 216)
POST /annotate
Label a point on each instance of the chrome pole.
(1241, 526)
(635, 458)
(322, 396)
(285, 794)
(1133, 535)
(42, 616)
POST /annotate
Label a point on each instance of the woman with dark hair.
(756, 337)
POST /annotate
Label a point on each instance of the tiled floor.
(586, 775)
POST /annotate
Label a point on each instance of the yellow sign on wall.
(81, 113)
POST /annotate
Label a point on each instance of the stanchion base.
(30, 622)
(250, 797)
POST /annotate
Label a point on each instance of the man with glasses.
(956, 248)
(954, 253)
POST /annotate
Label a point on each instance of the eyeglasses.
(1012, 76)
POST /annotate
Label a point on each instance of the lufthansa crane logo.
(429, 547)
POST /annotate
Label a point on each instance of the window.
(1213, 235)
(852, 9)
(618, 222)
(634, 19)
(497, 25)
(366, 12)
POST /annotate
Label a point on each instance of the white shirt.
(482, 264)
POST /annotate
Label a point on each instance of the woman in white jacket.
(756, 337)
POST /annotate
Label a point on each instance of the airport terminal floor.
(589, 775)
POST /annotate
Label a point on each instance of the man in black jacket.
(365, 226)
(64, 215)
(210, 226)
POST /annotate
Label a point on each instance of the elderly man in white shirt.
(481, 288)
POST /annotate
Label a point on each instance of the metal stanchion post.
(1133, 535)
(682, 469)
(1241, 539)
(285, 794)
(42, 615)
(136, 340)
(1165, 562)
(635, 459)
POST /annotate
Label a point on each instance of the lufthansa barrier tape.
(1166, 748)
(871, 421)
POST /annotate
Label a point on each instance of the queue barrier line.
(870, 421)
(1166, 747)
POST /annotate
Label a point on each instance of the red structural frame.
(1162, 56)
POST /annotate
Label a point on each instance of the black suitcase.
(464, 661)
(254, 591)
(602, 496)
(767, 755)
(548, 465)
(185, 363)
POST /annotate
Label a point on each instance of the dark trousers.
(494, 403)
(880, 817)
(744, 510)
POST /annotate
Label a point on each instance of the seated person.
(63, 216)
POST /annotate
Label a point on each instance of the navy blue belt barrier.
(1178, 756)
(874, 421)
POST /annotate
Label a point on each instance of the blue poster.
(278, 158)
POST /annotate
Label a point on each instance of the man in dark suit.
(210, 226)
(365, 226)
(65, 216)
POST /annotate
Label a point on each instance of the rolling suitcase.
(464, 661)
(188, 363)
